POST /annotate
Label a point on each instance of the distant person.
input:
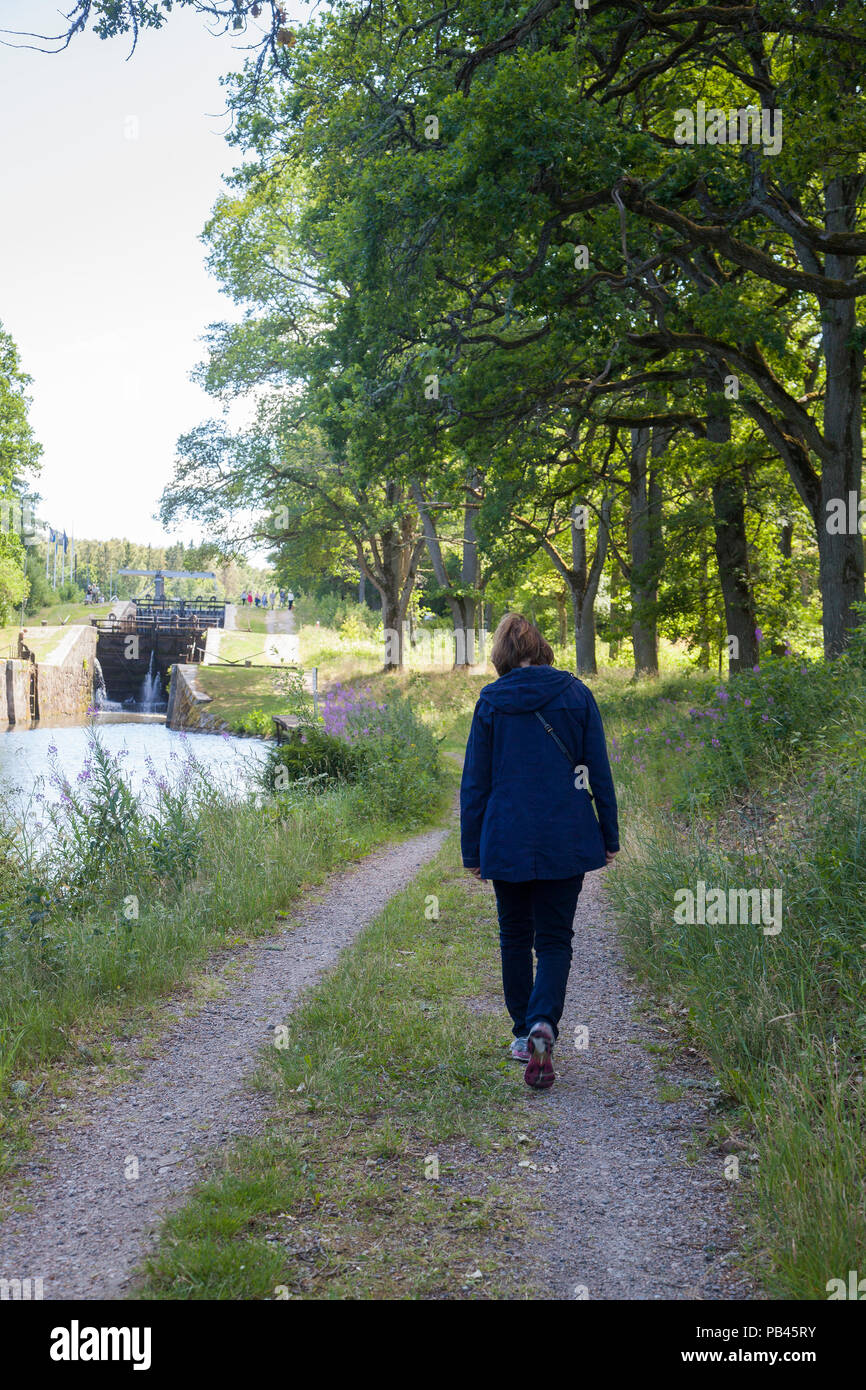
(527, 822)
(291, 599)
(282, 598)
(258, 599)
(273, 598)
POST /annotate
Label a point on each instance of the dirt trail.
(625, 1215)
(90, 1223)
(281, 620)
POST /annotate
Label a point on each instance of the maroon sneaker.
(519, 1050)
(540, 1073)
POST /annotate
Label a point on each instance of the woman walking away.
(527, 822)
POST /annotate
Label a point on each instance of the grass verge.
(762, 788)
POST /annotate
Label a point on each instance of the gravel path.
(624, 1215)
(90, 1222)
(281, 620)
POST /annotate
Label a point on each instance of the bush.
(354, 628)
(257, 723)
(312, 753)
(400, 781)
(384, 750)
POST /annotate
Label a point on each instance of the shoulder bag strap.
(555, 736)
(559, 743)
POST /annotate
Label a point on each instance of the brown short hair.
(517, 639)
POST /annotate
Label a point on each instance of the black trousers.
(539, 913)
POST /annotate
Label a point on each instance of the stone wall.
(65, 678)
(187, 703)
(15, 692)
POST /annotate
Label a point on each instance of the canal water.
(145, 746)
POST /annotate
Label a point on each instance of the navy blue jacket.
(522, 812)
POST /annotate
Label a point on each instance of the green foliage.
(256, 722)
(19, 456)
(313, 754)
(777, 805)
(351, 619)
(385, 751)
(107, 843)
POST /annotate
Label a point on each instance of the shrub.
(311, 753)
(383, 749)
(256, 722)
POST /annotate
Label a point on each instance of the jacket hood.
(526, 689)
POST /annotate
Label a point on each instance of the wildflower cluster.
(383, 748)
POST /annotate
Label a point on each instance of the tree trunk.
(561, 599)
(703, 633)
(786, 550)
(470, 580)
(841, 555)
(584, 582)
(392, 622)
(394, 577)
(733, 561)
(582, 578)
(616, 587)
(462, 600)
(644, 536)
(584, 636)
(732, 553)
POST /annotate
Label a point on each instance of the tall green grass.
(778, 801)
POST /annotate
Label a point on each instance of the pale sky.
(109, 170)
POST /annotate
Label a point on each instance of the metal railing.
(165, 618)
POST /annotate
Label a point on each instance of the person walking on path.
(535, 761)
